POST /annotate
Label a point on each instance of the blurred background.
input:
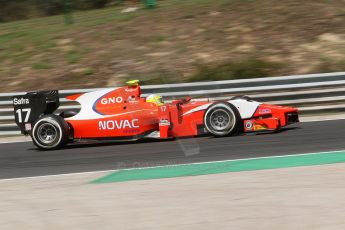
(66, 44)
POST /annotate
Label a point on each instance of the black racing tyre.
(50, 132)
(222, 119)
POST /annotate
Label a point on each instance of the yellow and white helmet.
(156, 99)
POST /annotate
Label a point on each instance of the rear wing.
(29, 107)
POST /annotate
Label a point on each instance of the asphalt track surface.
(24, 160)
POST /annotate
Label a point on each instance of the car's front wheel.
(222, 119)
(50, 132)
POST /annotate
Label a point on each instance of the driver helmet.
(156, 99)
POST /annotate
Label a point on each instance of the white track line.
(57, 175)
(164, 166)
(11, 142)
(326, 119)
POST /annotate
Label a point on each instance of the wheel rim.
(47, 133)
(220, 120)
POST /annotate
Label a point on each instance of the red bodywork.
(122, 113)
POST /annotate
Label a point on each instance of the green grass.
(159, 76)
(248, 68)
(229, 70)
(54, 25)
(40, 33)
(73, 57)
(160, 38)
(41, 66)
(89, 71)
(199, 38)
(328, 65)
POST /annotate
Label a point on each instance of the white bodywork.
(87, 101)
(245, 108)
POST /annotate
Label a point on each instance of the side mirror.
(178, 105)
(188, 99)
(183, 101)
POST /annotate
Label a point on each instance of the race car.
(123, 114)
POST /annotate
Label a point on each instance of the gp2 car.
(122, 114)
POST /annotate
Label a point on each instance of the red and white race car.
(122, 114)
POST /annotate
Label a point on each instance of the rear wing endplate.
(29, 107)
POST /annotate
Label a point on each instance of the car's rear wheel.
(50, 132)
(222, 119)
